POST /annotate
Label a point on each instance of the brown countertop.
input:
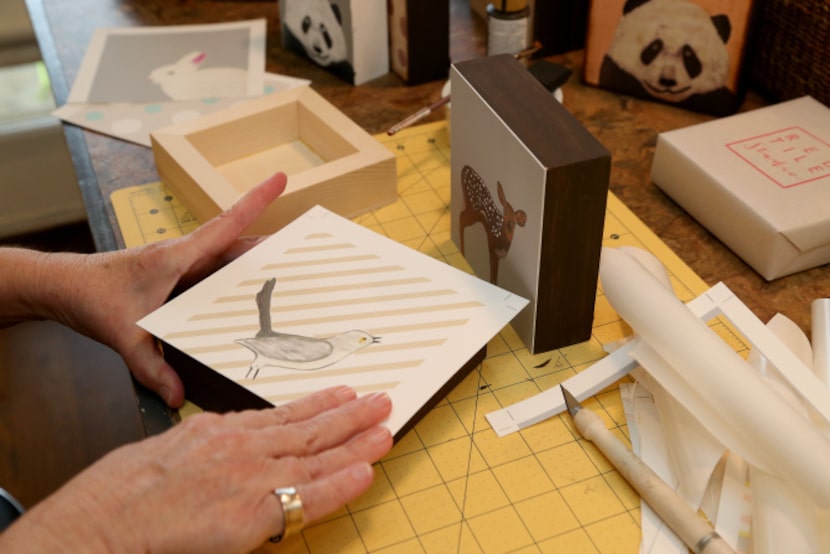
(626, 126)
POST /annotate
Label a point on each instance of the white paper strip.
(647, 442)
(551, 402)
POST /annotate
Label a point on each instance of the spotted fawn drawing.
(480, 208)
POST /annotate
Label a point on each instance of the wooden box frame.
(524, 145)
(210, 161)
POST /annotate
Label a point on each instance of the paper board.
(425, 319)
(172, 63)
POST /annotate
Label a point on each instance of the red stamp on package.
(788, 157)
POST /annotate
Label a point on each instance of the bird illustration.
(275, 349)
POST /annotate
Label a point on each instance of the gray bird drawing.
(275, 349)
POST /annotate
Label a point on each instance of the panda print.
(672, 51)
(315, 28)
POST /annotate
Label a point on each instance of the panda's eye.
(651, 51)
(691, 62)
(326, 36)
(306, 24)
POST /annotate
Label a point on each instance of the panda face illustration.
(316, 24)
(674, 48)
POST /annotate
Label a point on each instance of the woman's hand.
(207, 484)
(103, 295)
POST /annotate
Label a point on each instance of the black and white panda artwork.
(315, 28)
(673, 51)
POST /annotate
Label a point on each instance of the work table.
(628, 127)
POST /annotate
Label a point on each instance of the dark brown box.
(419, 39)
(529, 188)
(559, 25)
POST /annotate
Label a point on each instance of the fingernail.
(362, 471)
(378, 398)
(379, 434)
(344, 392)
(165, 393)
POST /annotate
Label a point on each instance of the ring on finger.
(292, 510)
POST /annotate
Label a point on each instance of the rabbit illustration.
(185, 80)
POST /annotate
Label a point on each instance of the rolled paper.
(782, 519)
(820, 311)
(651, 262)
(711, 419)
(693, 450)
(790, 447)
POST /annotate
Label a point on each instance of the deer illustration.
(480, 208)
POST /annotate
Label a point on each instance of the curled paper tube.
(783, 520)
(707, 366)
(820, 311)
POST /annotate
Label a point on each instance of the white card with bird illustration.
(326, 301)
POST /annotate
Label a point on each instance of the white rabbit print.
(187, 80)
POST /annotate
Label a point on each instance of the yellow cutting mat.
(450, 484)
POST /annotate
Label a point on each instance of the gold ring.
(292, 510)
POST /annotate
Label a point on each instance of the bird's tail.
(263, 302)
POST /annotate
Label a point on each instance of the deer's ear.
(500, 190)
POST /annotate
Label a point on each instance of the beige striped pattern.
(325, 283)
